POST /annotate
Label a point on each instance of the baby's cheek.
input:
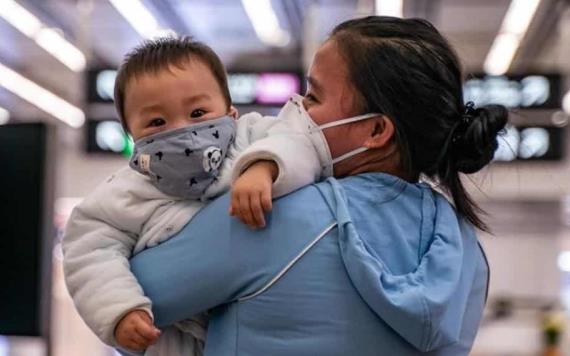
(215, 114)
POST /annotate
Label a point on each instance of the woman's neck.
(368, 162)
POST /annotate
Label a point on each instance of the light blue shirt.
(366, 265)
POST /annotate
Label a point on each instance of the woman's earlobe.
(382, 133)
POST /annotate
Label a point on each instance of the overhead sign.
(101, 85)
(263, 88)
(519, 91)
(108, 136)
(530, 143)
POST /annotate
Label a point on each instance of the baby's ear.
(233, 112)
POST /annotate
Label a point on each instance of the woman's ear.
(383, 131)
(233, 112)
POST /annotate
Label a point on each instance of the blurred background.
(59, 137)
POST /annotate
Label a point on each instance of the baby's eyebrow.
(150, 108)
(195, 98)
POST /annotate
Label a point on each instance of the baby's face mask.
(183, 162)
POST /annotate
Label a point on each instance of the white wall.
(523, 267)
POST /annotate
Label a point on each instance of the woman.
(373, 263)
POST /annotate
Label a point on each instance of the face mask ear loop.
(343, 122)
(349, 154)
(348, 121)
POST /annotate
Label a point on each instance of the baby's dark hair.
(406, 70)
(160, 54)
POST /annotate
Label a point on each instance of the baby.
(172, 97)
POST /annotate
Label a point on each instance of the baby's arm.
(279, 160)
(99, 278)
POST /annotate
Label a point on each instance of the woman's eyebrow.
(314, 84)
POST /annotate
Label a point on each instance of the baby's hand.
(136, 331)
(251, 193)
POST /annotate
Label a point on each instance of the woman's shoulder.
(310, 198)
(381, 188)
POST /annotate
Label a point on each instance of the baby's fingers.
(244, 211)
(257, 210)
(266, 202)
(137, 343)
(234, 204)
(148, 332)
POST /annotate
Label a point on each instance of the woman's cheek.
(318, 115)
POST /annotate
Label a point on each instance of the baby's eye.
(197, 113)
(157, 122)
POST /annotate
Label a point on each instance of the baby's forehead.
(189, 67)
(188, 77)
(173, 86)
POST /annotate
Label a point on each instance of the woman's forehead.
(329, 67)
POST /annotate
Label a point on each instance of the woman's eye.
(157, 122)
(197, 113)
(310, 97)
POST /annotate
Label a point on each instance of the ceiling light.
(564, 261)
(501, 54)
(57, 46)
(514, 27)
(49, 39)
(40, 97)
(264, 21)
(394, 8)
(4, 116)
(566, 102)
(140, 18)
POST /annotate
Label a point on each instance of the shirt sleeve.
(96, 268)
(289, 148)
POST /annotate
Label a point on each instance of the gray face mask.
(184, 162)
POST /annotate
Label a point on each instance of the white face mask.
(295, 113)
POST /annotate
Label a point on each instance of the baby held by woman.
(172, 97)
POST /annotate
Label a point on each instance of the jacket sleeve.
(96, 269)
(291, 149)
(187, 276)
(210, 264)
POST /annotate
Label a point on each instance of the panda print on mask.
(212, 159)
(184, 162)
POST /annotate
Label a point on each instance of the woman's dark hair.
(406, 70)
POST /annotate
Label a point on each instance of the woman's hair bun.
(475, 141)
